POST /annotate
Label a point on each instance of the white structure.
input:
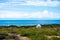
(38, 26)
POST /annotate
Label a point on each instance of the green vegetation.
(44, 33)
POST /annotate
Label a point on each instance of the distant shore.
(27, 22)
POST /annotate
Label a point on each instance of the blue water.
(27, 22)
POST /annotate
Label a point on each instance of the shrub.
(55, 38)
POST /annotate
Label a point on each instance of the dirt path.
(18, 37)
(53, 36)
(23, 38)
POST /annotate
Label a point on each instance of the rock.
(24, 38)
(3, 36)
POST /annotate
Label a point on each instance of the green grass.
(33, 33)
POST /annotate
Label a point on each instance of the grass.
(33, 33)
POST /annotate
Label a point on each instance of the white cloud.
(34, 15)
(24, 15)
(41, 3)
(31, 2)
(11, 14)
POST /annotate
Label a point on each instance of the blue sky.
(29, 9)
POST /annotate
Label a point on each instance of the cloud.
(12, 14)
(5, 14)
(42, 3)
(23, 15)
(30, 2)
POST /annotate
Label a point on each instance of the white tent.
(38, 26)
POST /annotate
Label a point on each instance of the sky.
(29, 9)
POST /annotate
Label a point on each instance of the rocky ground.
(18, 37)
(12, 37)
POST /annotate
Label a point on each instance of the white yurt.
(38, 26)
